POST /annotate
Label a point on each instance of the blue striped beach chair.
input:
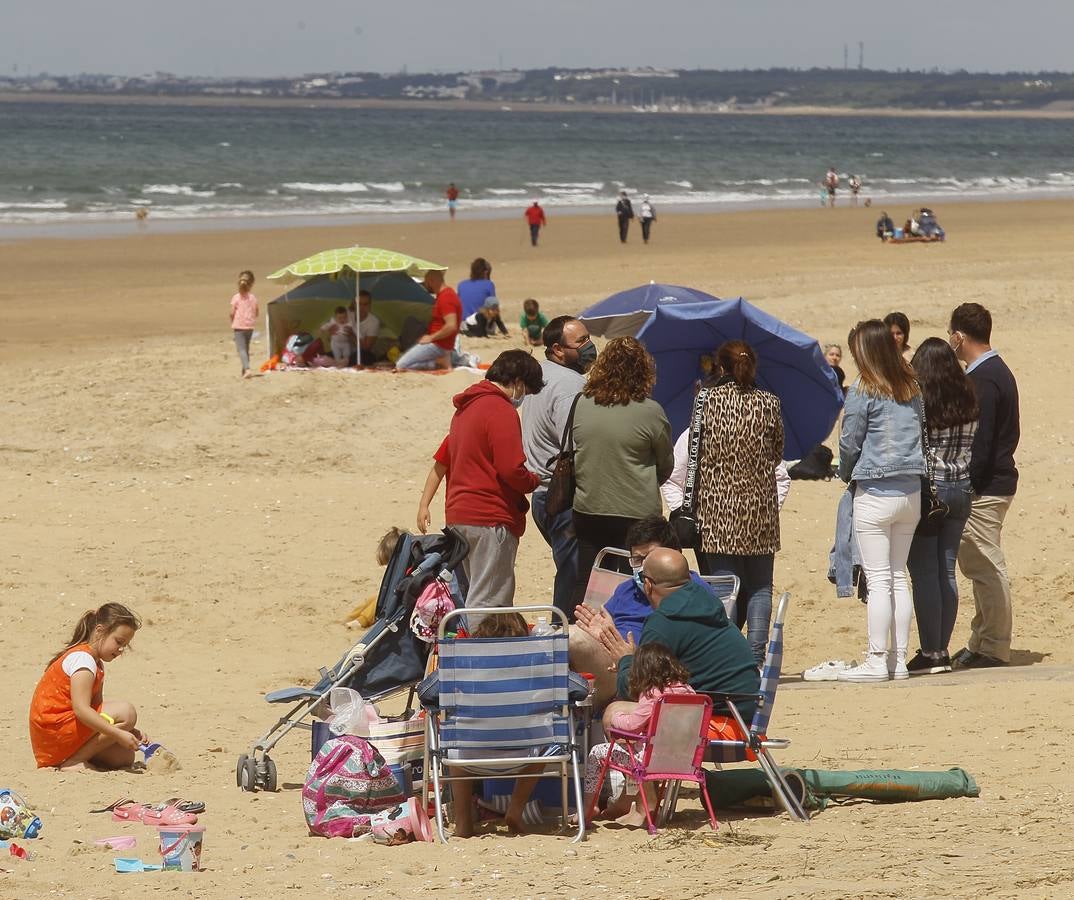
(503, 706)
(756, 744)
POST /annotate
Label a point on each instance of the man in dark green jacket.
(691, 622)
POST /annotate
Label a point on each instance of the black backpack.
(816, 465)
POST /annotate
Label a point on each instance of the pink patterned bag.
(346, 783)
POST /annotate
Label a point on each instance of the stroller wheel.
(238, 769)
(248, 775)
(268, 774)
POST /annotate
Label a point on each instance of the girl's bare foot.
(514, 823)
(635, 819)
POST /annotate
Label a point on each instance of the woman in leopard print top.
(737, 505)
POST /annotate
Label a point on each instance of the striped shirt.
(950, 451)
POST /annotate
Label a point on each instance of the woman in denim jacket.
(880, 451)
(951, 412)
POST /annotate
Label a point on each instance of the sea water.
(249, 165)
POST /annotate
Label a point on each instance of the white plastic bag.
(351, 713)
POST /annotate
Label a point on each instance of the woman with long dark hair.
(623, 452)
(899, 323)
(737, 506)
(880, 453)
(951, 412)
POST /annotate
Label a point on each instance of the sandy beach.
(240, 518)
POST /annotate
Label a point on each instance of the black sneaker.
(923, 664)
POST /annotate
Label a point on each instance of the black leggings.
(594, 533)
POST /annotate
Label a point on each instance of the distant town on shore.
(640, 89)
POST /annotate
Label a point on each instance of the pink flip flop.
(161, 814)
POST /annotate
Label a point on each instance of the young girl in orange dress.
(71, 725)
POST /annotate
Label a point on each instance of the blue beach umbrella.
(683, 339)
(622, 314)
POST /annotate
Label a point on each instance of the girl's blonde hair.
(109, 617)
(654, 667)
(386, 545)
(882, 372)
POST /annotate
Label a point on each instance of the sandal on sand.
(190, 806)
(122, 801)
(161, 814)
(826, 671)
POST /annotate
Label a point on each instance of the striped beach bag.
(400, 741)
(346, 783)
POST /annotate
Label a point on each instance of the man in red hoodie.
(487, 478)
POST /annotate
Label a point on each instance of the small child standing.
(532, 323)
(654, 672)
(70, 723)
(244, 312)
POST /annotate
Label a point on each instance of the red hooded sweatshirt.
(487, 478)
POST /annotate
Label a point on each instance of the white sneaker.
(875, 668)
(825, 671)
(897, 668)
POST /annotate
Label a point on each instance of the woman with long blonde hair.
(880, 455)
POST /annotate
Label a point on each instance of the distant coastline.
(245, 101)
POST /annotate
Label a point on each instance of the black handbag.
(933, 509)
(684, 519)
(560, 496)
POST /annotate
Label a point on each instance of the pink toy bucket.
(180, 847)
(398, 824)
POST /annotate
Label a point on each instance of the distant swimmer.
(452, 194)
(141, 214)
(855, 188)
(535, 216)
(831, 183)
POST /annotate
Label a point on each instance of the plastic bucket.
(397, 824)
(402, 775)
(898, 233)
(180, 847)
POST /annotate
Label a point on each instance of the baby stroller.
(387, 659)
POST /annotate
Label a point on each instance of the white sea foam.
(315, 187)
(35, 204)
(505, 192)
(391, 187)
(682, 184)
(180, 190)
(567, 185)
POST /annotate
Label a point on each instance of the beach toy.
(120, 842)
(158, 758)
(401, 824)
(17, 820)
(134, 865)
(898, 232)
(180, 847)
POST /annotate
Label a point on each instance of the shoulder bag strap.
(695, 447)
(566, 441)
(926, 448)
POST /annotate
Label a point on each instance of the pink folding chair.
(671, 750)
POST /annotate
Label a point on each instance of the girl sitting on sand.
(653, 673)
(70, 723)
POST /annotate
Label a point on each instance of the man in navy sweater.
(994, 479)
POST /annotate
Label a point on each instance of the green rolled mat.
(816, 787)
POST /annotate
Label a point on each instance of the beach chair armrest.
(626, 735)
(732, 698)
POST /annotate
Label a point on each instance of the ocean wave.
(682, 184)
(315, 187)
(505, 192)
(391, 187)
(580, 185)
(35, 204)
(180, 190)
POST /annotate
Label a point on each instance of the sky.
(274, 37)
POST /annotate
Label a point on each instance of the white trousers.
(884, 528)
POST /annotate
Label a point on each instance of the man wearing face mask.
(692, 624)
(994, 478)
(487, 478)
(569, 352)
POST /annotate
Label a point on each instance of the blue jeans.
(753, 608)
(932, 569)
(558, 533)
(423, 356)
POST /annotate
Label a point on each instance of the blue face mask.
(639, 583)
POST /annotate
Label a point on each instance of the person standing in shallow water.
(452, 194)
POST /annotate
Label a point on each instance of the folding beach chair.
(605, 576)
(503, 706)
(670, 750)
(756, 744)
(725, 587)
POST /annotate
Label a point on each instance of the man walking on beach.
(433, 349)
(535, 216)
(994, 479)
(624, 212)
(569, 352)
